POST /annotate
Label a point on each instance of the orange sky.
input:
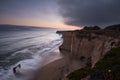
(43, 13)
(55, 24)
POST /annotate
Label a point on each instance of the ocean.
(29, 49)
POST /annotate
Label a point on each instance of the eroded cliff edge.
(80, 48)
(85, 47)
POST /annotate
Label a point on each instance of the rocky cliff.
(83, 45)
(84, 48)
(81, 49)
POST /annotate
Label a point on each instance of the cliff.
(83, 45)
(81, 49)
(86, 47)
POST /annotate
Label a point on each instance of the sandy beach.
(49, 71)
(52, 67)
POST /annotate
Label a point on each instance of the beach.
(51, 71)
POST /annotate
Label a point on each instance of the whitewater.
(30, 49)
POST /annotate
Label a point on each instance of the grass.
(111, 58)
(79, 74)
(109, 67)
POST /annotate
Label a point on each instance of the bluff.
(84, 45)
(81, 49)
(84, 48)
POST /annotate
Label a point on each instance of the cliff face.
(81, 50)
(85, 48)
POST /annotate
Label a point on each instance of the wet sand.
(51, 67)
(51, 71)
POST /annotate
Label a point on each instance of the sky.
(43, 13)
(90, 12)
(66, 14)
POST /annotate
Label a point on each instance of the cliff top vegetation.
(107, 68)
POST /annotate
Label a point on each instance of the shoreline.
(51, 66)
(51, 57)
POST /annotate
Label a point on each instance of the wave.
(30, 59)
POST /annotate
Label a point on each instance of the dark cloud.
(90, 12)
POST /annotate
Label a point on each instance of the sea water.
(27, 48)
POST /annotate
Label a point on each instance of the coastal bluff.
(83, 45)
(80, 49)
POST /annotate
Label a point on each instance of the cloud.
(90, 12)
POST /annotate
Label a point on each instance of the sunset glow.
(59, 26)
(41, 13)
